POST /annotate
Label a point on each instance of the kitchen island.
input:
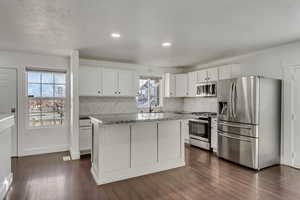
(6, 122)
(130, 145)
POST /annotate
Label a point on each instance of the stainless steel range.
(200, 130)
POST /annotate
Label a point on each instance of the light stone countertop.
(110, 119)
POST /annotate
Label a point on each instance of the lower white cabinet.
(214, 134)
(85, 136)
(144, 144)
(169, 144)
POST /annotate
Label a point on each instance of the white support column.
(74, 104)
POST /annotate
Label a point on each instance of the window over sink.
(150, 92)
(46, 98)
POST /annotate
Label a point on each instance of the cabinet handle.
(119, 92)
(99, 92)
(116, 93)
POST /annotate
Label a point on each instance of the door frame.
(17, 143)
(288, 116)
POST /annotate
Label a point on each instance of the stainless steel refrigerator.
(249, 121)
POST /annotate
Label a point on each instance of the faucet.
(150, 108)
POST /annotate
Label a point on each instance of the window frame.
(66, 99)
(161, 91)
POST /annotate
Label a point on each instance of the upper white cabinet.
(98, 81)
(126, 83)
(170, 85)
(181, 85)
(212, 74)
(202, 76)
(90, 81)
(229, 71)
(192, 80)
(207, 75)
(110, 82)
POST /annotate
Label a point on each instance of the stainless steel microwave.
(206, 89)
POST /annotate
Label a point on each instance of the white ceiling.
(200, 30)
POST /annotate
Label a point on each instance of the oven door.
(199, 129)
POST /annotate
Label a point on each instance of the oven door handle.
(199, 120)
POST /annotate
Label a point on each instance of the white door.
(296, 108)
(192, 78)
(181, 85)
(8, 101)
(109, 82)
(126, 81)
(90, 83)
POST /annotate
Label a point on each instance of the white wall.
(35, 141)
(270, 63)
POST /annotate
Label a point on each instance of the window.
(149, 93)
(46, 93)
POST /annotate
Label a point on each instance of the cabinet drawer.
(85, 123)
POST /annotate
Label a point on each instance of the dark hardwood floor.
(48, 177)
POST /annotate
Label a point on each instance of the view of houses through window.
(46, 98)
(149, 93)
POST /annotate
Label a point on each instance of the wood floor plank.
(205, 177)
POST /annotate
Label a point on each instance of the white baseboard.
(5, 185)
(36, 151)
(118, 175)
(75, 155)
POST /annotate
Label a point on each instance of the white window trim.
(26, 103)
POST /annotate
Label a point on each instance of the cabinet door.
(181, 84)
(202, 76)
(225, 72)
(85, 138)
(126, 81)
(212, 74)
(169, 141)
(235, 71)
(143, 144)
(110, 82)
(90, 83)
(170, 83)
(192, 80)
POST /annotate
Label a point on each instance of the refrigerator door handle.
(236, 126)
(234, 100)
(232, 137)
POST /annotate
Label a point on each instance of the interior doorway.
(8, 100)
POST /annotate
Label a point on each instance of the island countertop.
(109, 119)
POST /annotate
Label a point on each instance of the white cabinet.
(143, 144)
(98, 81)
(126, 83)
(90, 81)
(170, 83)
(192, 80)
(110, 82)
(85, 136)
(207, 75)
(214, 134)
(229, 71)
(169, 141)
(181, 85)
(202, 76)
(212, 74)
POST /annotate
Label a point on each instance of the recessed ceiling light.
(115, 35)
(166, 44)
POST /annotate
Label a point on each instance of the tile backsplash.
(108, 105)
(199, 104)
